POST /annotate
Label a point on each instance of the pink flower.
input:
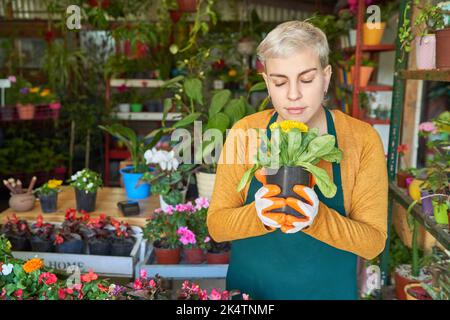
(159, 210)
(245, 296)
(78, 286)
(137, 285)
(207, 239)
(152, 283)
(12, 79)
(215, 295)
(428, 127)
(169, 210)
(201, 203)
(61, 294)
(187, 236)
(48, 278)
(143, 273)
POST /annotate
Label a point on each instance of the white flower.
(84, 179)
(7, 269)
(90, 185)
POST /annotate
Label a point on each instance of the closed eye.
(280, 84)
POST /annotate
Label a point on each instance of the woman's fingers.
(279, 218)
(272, 190)
(306, 193)
(260, 176)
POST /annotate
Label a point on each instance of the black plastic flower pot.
(19, 243)
(48, 202)
(100, 247)
(85, 201)
(286, 178)
(122, 248)
(71, 246)
(40, 245)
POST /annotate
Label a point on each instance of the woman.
(275, 256)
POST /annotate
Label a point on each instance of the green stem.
(415, 250)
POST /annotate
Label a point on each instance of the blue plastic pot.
(130, 181)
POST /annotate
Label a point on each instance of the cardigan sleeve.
(364, 231)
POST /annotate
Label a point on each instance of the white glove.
(264, 202)
(308, 209)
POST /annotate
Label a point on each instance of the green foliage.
(86, 180)
(163, 228)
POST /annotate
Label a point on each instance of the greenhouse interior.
(224, 150)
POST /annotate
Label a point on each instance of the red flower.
(19, 293)
(49, 278)
(49, 36)
(122, 88)
(40, 221)
(102, 287)
(71, 214)
(59, 239)
(402, 148)
(80, 296)
(137, 285)
(88, 277)
(61, 294)
(102, 217)
(69, 291)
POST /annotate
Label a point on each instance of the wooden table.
(107, 199)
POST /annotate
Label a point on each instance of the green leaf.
(235, 110)
(193, 89)
(186, 120)
(248, 175)
(218, 101)
(319, 147)
(294, 138)
(219, 121)
(167, 107)
(172, 81)
(334, 155)
(323, 181)
(260, 86)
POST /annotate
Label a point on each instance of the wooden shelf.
(376, 87)
(137, 83)
(118, 154)
(375, 121)
(431, 75)
(439, 231)
(372, 48)
(147, 116)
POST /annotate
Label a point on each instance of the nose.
(294, 92)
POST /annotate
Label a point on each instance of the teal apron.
(294, 266)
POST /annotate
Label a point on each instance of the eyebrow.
(300, 74)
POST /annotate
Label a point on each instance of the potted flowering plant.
(122, 240)
(192, 291)
(86, 184)
(18, 233)
(169, 179)
(122, 98)
(161, 229)
(42, 235)
(290, 158)
(99, 238)
(218, 252)
(68, 237)
(48, 195)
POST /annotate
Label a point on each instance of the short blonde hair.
(292, 36)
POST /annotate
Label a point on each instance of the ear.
(266, 80)
(327, 75)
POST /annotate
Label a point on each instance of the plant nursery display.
(86, 183)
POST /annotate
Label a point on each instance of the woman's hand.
(309, 209)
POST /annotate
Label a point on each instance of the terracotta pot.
(218, 258)
(443, 49)
(410, 296)
(205, 184)
(22, 202)
(400, 284)
(167, 256)
(401, 179)
(26, 112)
(364, 76)
(194, 255)
(286, 178)
(373, 36)
(426, 52)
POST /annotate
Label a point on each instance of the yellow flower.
(54, 183)
(232, 73)
(34, 89)
(287, 125)
(8, 245)
(45, 93)
(33, 265)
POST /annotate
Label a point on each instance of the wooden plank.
(147, 116)
(137, 83)
(107, 199)
(431, 75)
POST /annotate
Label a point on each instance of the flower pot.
(403, 277)
(187, 5)
(440, 212)
(443, 48)
(130, 181)
(427, 204)
(122, 248)
(100, 247)
(167, 256)
(26, 111)
(401, 178)
(420, 293)
(40, 245)
(286, 178)
(373, 36)
(71, 246)
(19, 243)
(205, 184)
(7, 113)
(164, 205)
(22, 202)
(400, 284)
(124, 107)
(194, 255)
(426, 52)
(48, 202)
(136, 107)
(364, 76)
(218, 258)
(85, 200)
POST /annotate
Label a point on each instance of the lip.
(296, 110)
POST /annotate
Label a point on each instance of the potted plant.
(122, 98)
(169, 178)
(48, 195)
(144, 288)
(122, 239)
(161, 230)
(68, 237)
(136, 106)
(373, 32)
(137, 147)
(290, 157)
(366, 70)
(42, 235)
(218, 252)
(86, 184)
(99, 238)
(18, 233)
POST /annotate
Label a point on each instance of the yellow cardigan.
(364, 181)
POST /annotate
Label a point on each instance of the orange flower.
(33, 265)
(88, 277)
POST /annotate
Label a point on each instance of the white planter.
(164, 205)
(352, 36)
(123, 107)
(218, 84)
(205, 184)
